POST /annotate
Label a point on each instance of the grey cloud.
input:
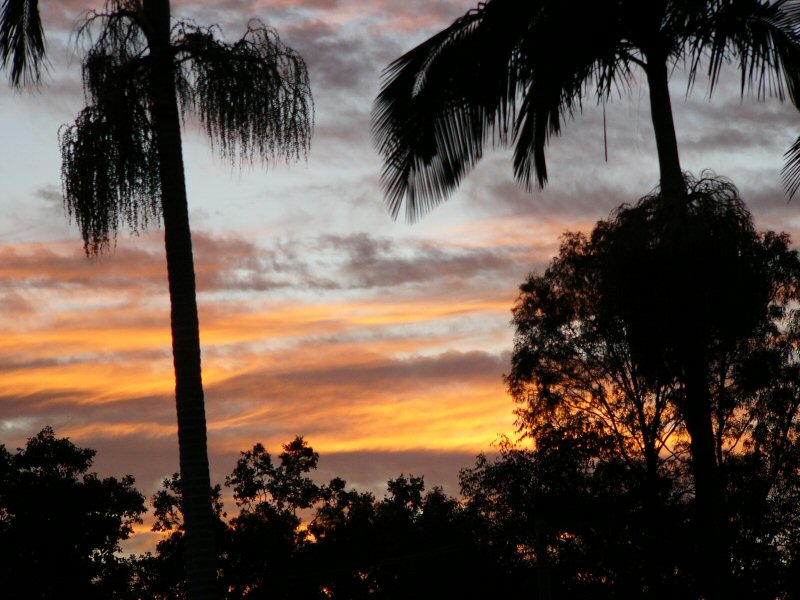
(65, 407)
(378, 263)
(339, 385)
(418, 372)
(338, 60)
(357, 261)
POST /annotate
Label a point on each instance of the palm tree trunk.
(711, 541)
(664, 127)
(192, 441)
(713, 561)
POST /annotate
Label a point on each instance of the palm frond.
(553, 89)
(506, 72)
(441, 102)
(791, 169)
(22, 44)
(763, 37)
(253, 96)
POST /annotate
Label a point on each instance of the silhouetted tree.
(61, 525)
(561, 518)
(123, 165)
(266, 540)
(574, 497)
(654, 322)
(511, 71)
(293, 538)
(412, 543)
(345, 540)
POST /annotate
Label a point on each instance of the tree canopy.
(571, 514)
(60, 524)
(666, 340)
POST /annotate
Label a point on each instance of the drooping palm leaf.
(791, 169)
(22, 44)
(506, 72)
(110, 172)
(553, 91)
(763, 38)
(439, 105)
(253, 96)
(109, 157)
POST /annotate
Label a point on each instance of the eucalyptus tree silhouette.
(671, 316)
(693, 283)
(122, 165)
(22, 45)
(512, 71)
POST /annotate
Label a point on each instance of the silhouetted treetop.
(60, 524)
(664, 344)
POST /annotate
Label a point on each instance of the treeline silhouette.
(570, 516)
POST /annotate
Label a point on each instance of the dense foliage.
(60, 524)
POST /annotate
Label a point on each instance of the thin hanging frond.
(22, 44)
(109, 159)
(253, 96)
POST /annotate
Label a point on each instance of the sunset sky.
(382, 343)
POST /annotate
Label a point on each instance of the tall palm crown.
(22, 43)
(122, 166)
(513, 71)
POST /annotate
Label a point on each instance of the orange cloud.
(88, 342)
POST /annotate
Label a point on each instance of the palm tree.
(512, 71)
(122, 165)
(21, 41)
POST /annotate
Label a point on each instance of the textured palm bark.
(192, 438)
